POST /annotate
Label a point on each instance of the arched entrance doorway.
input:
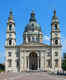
(33, 61)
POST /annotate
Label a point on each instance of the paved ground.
(30, 76)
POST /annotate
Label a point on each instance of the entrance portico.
(33, 61)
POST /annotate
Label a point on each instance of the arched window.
(32, 27)
(10, 27)
(56, 53)
(55, 26)
(56, 63)
(33, 39)
(10, 42)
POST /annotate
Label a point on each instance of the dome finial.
(33, 12)
(11, 14)
(54, 12)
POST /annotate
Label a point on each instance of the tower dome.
(32, 30)
(55, 18)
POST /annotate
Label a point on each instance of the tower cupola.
(10, 18)
(55, 18)
(11, 15)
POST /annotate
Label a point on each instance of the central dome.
(32, 26)
(32, 30)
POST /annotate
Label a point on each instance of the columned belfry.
(33, 54)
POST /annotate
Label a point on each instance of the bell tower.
(55, 43)
(10, 45)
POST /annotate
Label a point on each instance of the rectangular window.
(10, 35)
(55, 26)
(48, 54)
(33, 39)
(9, 63)
(56, 53)
(9, 54)
(49, 63)
(56, 63)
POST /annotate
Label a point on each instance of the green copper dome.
(32, 26)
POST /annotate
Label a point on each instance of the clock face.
(56, 42)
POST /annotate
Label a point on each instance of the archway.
(33, 61)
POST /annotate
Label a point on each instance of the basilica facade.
(32, 54)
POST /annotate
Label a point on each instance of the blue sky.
(21, 11)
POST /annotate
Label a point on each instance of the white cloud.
(46, 38)
(64, 45)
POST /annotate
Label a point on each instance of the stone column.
(28, 63)
(53, 62)
(21, 61)
(59, 60)
(22, 64)
(42, 61)
(31, 38)
(38, 62)
(14, 63)
(25, 62)
(35, 38)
